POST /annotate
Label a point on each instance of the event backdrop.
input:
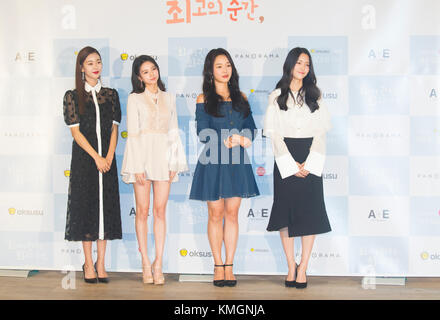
(377, 63)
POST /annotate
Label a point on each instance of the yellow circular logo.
(124, 134)
(67, 173)
(183, 252)
(76, 53)
(124, 56)
(252, 90)
(252, 249)
(11, 211)
(425, 255)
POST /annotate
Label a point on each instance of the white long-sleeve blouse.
(153, 144)
(296, 122)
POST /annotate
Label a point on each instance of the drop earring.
(83, 76)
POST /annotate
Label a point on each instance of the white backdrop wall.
(377, 63)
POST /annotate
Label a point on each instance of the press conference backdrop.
(377, 63)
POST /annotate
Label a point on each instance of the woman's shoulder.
(170, 96)
(273, 97)
(275, 93)
(70, 94)
(109, 91)
(200, 106)
(200, 98)
(135, 96)
(322, 106)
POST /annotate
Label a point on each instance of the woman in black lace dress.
(92, 113)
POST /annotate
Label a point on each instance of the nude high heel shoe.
(158, 277)
(147, 275)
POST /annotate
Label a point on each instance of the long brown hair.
(79, 82)
(212, 98)
(308, 92)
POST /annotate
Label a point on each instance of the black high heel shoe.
(302, 285)
(291, 284)
(90, 280)
(103, 280)
(230, 283)
(219, 283)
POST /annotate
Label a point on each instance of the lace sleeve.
(116, 108)
(70, 109)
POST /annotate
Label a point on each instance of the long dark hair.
(308, 92)
(138, 85)
(212, 99)
(79, 81)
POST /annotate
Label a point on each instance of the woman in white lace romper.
(153, 155)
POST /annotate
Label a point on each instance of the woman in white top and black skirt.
(296, 122)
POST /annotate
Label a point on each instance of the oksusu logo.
(195, 253)
(130, 57)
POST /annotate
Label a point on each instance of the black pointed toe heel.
(302, 285)
(291, 284)
(90, 280)
(102, 280)
(219, 283)
(230, 283)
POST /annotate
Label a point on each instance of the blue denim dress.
(222, 172)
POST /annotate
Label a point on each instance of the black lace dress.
(87, 192)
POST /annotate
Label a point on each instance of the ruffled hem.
(151, 154)
(92, 238)
(131, 178)
(213, 182)
(245, 195)
(295, 219)
(296, 233)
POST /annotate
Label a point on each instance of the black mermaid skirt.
(298, 203)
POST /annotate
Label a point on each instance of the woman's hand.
(101, 164)
(237, 140)
(172, 174)
(300, 173)
(140, 178)
(241, 140)
(304, 173)
(109, 160)
(229, 143)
